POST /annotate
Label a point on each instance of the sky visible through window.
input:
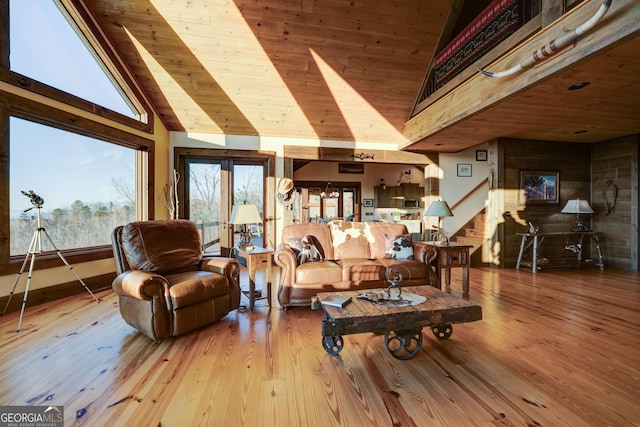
(45, 47)
(61, 166)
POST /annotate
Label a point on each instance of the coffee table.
(401, 325)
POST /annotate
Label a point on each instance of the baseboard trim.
(56, 292)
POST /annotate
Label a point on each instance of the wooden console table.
(538, 238)
(452, 255)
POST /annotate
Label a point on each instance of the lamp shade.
(245, 214)
(439, 208)
(577, 206)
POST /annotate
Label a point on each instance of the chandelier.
(330, 192)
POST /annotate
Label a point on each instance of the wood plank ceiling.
(341, 70)
(330, 69)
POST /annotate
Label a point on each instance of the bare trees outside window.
(88, 186)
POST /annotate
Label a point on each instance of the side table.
(255, 257)
(452, 255)
(538, 238)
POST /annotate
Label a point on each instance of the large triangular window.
(46, 45)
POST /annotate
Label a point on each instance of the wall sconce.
(382, 184)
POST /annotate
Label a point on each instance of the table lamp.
(577, 207)
(439, 208)
(245, 215)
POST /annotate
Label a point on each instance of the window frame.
(96, 41)
(15, 106)
(32, 100)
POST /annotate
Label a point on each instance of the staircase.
(473, 233)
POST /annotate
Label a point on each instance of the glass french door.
(212, 187)
(248, 189)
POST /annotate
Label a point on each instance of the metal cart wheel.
(442, 332)
(332, 345)
(403, 345)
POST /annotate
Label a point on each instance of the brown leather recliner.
(166, 287)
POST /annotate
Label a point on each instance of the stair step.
(474, 241)
(474, 232)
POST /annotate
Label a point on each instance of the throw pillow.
(398, 247)
(306, 249)
(296, 245)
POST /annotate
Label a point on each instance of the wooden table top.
(559, 233)
(446, 245)
(440, 308)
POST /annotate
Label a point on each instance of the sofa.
(165, 285)
(353, 256)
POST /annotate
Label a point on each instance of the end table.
(452, 255)
(257, 256)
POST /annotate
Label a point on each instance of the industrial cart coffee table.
(400, 323)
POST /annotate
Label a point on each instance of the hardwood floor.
(558, 348)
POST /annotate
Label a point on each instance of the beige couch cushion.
(318, 272)
(350, 239)
(358, 270)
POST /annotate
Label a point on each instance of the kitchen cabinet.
(411, 191)
(394, 197)
(381, 197)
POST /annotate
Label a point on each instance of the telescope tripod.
(35, 248)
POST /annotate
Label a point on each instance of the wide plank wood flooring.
(559, 348)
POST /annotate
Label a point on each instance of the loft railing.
(496, 23)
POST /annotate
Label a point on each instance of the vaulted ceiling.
(346, 70)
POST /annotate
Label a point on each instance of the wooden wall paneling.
(551, 10)
(572, 161)
(617, 160)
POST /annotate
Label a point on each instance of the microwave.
(411, 203)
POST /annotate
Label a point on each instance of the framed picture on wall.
(539, 187)
(351, 168)
(367, 203)
(481, 155)
(464, 169)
